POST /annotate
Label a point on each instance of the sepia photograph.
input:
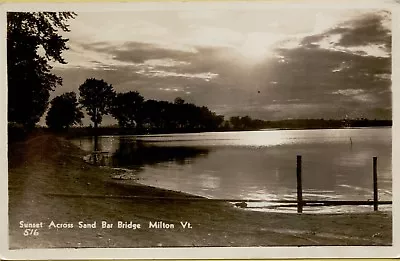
(242, 126)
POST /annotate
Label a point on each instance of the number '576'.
(31, 232)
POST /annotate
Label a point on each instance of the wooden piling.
(375, 181)
(299, 186)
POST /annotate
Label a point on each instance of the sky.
(269, 64)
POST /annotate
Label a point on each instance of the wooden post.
(375, 180)
(299, 186)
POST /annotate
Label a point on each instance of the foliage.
(126, 108)
(64, 112)
(97, 97)
(163, 116)
(32, 42)
(246, 123)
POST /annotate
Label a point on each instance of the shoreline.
(44, 167)
(238, 203)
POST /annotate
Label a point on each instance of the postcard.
(199, 130)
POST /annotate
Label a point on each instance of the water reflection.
(135, 154)
(257, 165)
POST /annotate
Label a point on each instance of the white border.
(200, 252)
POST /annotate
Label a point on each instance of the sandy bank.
(48, 181)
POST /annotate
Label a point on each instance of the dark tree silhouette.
(179, 101)
(245, 123)
(151, 114)
(29, 73)
(235, 122)
(127, 108)
(64, 112)
(164, 117)
(97, 97)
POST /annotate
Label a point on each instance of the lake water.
(337, 164)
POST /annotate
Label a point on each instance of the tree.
(32, 42)
(127, 109)
(64, 112)
(151, 114)
(236, 122)
(97, 97)
(179, 101)
(179, 113)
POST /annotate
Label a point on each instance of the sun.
(254, 52)
(258, 46)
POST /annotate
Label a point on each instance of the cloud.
(161, 73)
(369, 34)
(139, 52)
(370, 29)
(348, 92)
(326, 71)
(356, 94)
(141, 58)
(168, 62)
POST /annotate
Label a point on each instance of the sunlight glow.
(259, 45)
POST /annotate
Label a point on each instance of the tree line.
(130, 110)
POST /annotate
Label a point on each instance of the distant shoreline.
(333, 128)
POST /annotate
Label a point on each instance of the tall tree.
(33, 41)
(97, 97)
(127, 109)
(64, 112)
(151, 114)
